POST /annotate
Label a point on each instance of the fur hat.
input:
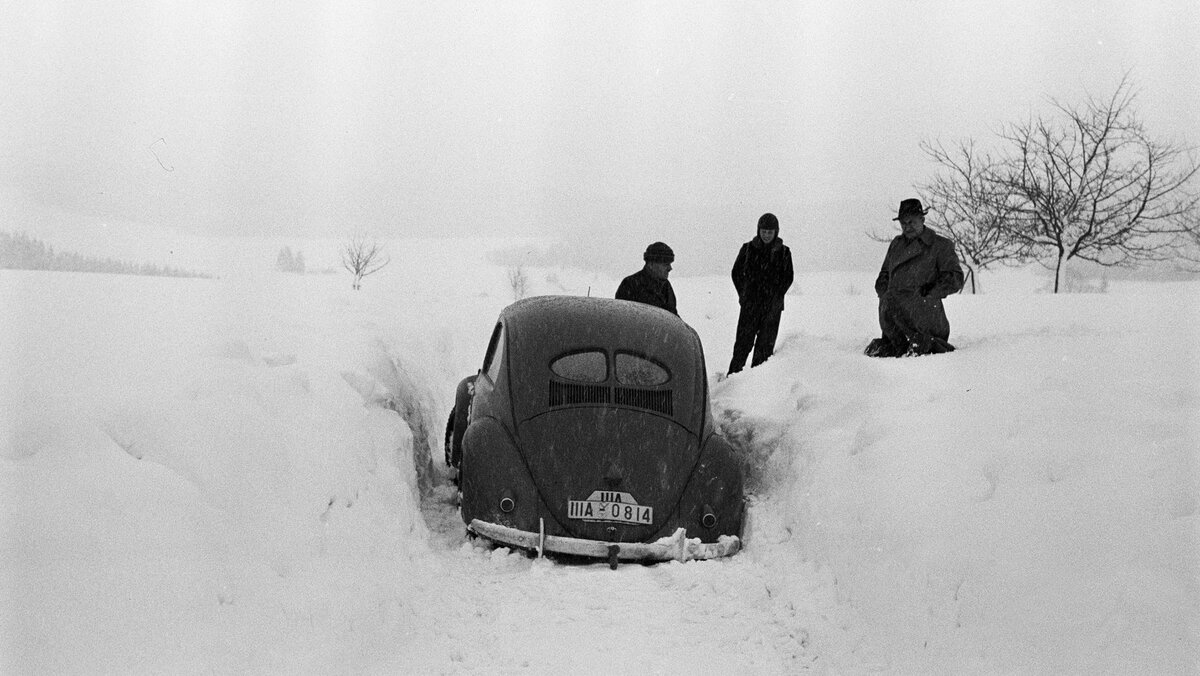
(768, 222)
(910, 206)
(658, 253)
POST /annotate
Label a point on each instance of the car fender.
(492, 470)
(715, 487)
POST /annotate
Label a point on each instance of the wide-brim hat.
(658, 253)
(909, 207)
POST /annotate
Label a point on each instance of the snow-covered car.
(588, 431)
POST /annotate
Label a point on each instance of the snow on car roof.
(548, 325)
(542, 328)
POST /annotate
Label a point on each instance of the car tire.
(457, 425)
(448, 446)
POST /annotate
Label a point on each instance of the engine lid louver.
(652, 400)
(563, 394)
(566, 394)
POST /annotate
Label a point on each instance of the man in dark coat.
(762, 274)
(649, 285)
(919, 270)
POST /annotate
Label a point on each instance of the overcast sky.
(609, 124)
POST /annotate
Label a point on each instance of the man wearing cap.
(762, 274)
(649, 285)
(919, 270)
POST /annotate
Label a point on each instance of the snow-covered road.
(506, 611)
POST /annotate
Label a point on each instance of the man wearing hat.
(919, 270)
(762, 274)
(649, 285)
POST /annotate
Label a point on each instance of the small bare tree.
(518, 281)
(362, 257)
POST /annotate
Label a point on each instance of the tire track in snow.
(516, 614)
(510, 613)
(513, 613)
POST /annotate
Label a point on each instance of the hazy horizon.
(605, 126)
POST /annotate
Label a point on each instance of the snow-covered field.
(243, 475)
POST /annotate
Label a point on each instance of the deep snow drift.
(243, 475)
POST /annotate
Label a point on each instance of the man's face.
(912, 225)
(660, 270)
(766, 235)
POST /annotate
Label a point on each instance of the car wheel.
(449, 443)
(457, 425)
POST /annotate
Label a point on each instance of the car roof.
(542, 328)
(557, 323)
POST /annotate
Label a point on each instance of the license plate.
(614, 506)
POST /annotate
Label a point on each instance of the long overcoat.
(916, 275)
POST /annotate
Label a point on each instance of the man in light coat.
(919, 270)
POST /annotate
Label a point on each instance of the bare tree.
(1094, 185)
(971, 208)
(1088, 182)
(518, 281)
(362, 257)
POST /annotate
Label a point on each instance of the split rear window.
(592, 366)
(582, 367)
(639, 371)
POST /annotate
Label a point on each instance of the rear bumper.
(677, 547)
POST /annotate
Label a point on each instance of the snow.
(244, 475)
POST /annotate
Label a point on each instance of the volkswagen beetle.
(588, 432)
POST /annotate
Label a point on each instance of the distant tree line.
(22, 252)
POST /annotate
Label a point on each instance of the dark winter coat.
(916, 275)
(644, 287)
(762, 274)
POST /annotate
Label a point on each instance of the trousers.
(757, 329)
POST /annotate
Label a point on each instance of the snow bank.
(242, 475)
(186, 442)
(1026, 504)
